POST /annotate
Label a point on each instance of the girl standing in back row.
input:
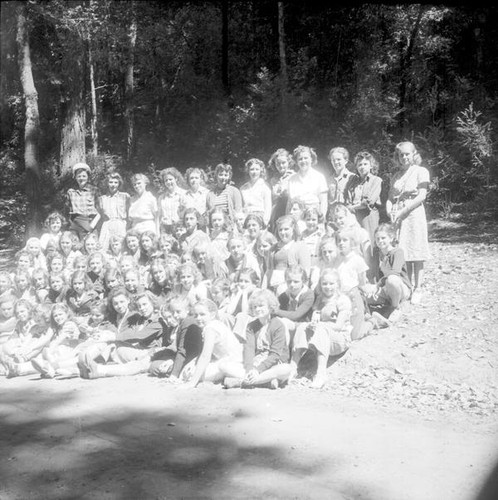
(405, 205)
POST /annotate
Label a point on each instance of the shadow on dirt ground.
(60, 451)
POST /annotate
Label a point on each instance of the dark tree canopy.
(205, 83)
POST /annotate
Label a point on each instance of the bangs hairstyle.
(313, 211)
(298, 202)
(72, 237)
(53, 276)
(236, 237)
(154, 301)
(266, 296)
(387, 228)
(195, 170)
(21, 273)
(81, 275)
(255, 161)
(328, 271)
(266, 237)
(173, 172)
(293, 270)
(116, 292)
(166, 238)
(140, 177)
(23, 253)
(56, 255)
(326, 241)
(254, 217)
(173, 300)
(342, 151)
(248, 271)
(305, 149)
(111, 274)
(223, 167)
(190, 211)
(273, 160)
(152, 236)
(27, 304)
(115, 176)
(189, 266)
(59, 306)
(365, 155)
(52, 216)
(223, 284)
(39, 272)
(348, 233)
(287, 219)
(100, 306)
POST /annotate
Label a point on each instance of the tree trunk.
(73, 133)
(225, 78)
(93, 99)
(32, 126)
(405, 67)
(281, 47)
(129, 85)
(72, 147)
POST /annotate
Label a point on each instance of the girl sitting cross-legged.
(265, 351)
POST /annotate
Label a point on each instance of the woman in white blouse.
(308, 184)
(256, 193)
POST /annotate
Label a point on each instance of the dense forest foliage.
(143, 85)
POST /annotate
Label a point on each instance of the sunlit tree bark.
(129, 84)
(32, 124)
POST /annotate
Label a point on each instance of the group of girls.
(208, 282)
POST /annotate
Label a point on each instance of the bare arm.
(411, 205)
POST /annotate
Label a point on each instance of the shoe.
(88, 368)
(379, 321)
(12, 368)
(232, 383)
(44, 367)
(318, 381)
(416, 297)
(65, 373)
(274, 383)
(293, 372)
(395, 316)
(93, 369)
(165, 367)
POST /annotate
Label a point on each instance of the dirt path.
(141, 438)
(407, 414)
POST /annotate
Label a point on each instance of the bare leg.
(321, 372)
(130, 368)
(232, 369)
(418, 271)
(394, 290)
(20, 369)
(409, 269)
(280, 372)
